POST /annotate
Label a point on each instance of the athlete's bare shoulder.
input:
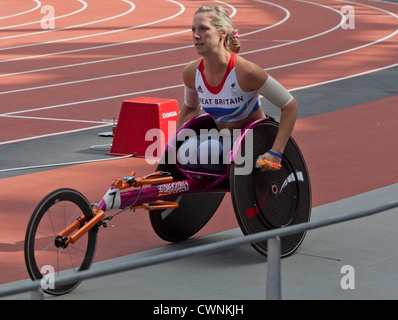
(250, 75)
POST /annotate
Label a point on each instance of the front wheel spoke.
(44, 250)
(70, 259)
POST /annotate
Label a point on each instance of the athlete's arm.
(286, 126)
(191, 106)
(256, 78)
(186, 113)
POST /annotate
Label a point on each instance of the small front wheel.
(45, 253)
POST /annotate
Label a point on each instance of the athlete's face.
(205, 36)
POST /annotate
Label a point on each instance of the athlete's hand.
(271, 158)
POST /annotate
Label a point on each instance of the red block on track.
(144, 125)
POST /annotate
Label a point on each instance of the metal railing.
(273, 280)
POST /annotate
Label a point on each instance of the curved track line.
(38, 21)
(156, 90)
(94, 79)
(344, 51)
(97, 47)
(314, 58)
(24, 12)
(96, 61)
(133, 72)
(345, 78)
(172, 87)
(93, 100)
(306, 38)
(181, 85)
(178, 65)
(63, 164)
(269, 68)
(117, 44)
(71, 27)
(55, 119)
(287, 16)
(146, 53)
(55, 134)
(303, 61)
(185, 47)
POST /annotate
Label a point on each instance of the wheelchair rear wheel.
(273, 199)
(192, 214)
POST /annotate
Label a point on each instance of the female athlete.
(227, 86)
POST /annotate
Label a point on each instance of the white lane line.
(166, 67)
(348, 50)
(171, 87)
(342, 20)
(249, 52)
(55, 119)
(54, 134)
(57, 17)
(96, 47)
(345, 77)
(97, 61)
(115, 58)
(287, 16)
(92, 100)
(94, 79)
(41, 32)
(182, 9)
(63, 164)
(141, 71)
(180, 86)
(38, 5)
(234, 11)
(112, 44)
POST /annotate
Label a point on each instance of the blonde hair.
(222, 22)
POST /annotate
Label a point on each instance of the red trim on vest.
(217, 90)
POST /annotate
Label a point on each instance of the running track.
(74, 78)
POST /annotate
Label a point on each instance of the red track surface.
(101, 54)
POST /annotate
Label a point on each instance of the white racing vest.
(227, 102)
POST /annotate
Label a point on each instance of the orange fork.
(83, 227)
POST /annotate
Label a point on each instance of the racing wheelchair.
(63, 229)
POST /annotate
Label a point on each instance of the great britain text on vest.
(227, 101)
